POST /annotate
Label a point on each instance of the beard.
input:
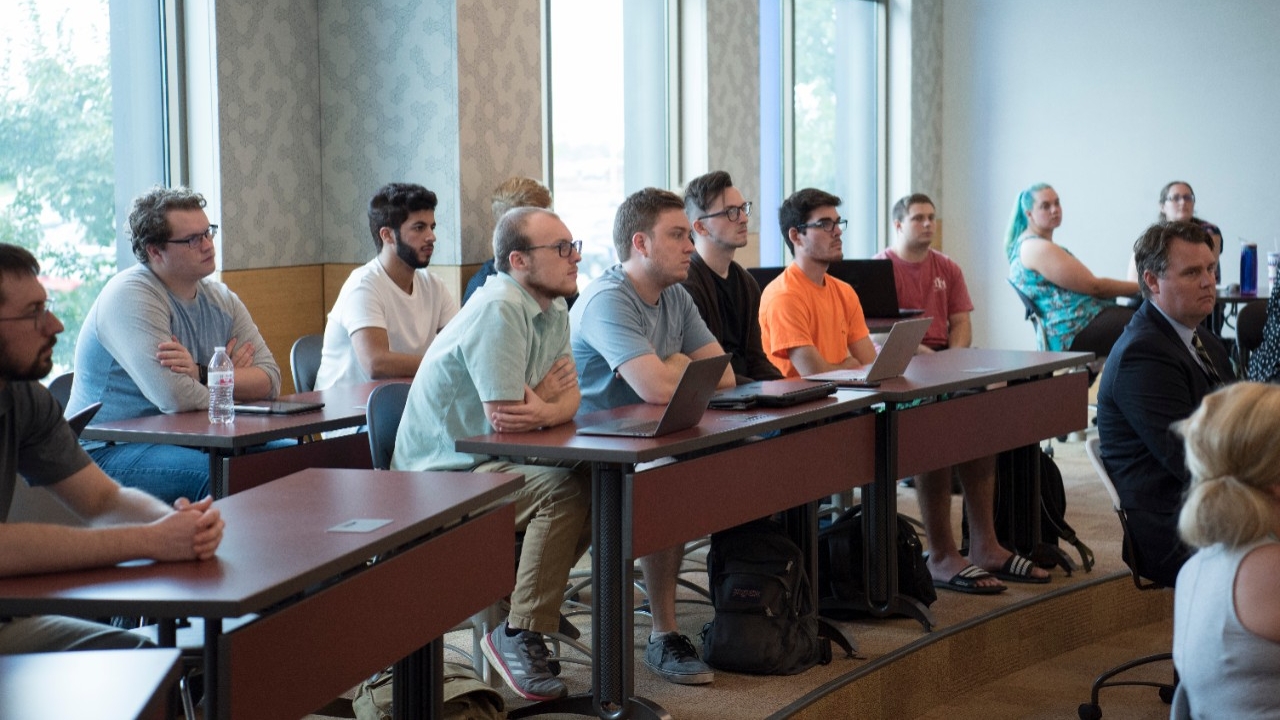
(12, 369)
(408, 255)
(538, 287)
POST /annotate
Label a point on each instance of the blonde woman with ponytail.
(1226, 634)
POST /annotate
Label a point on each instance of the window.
(830, 67)
(609, 101)
(62, 65)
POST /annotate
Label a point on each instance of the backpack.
(842, 586)
(466, 697)
(766, 622)
(1053, 518)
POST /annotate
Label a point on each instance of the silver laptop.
(899, 347)
(688, 402)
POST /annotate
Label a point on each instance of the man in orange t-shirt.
(811, 322)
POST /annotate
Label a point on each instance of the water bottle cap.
(220, 348)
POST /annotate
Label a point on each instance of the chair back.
(60, 388)
(304, 361)
(1249, 325)
(83, 418)
(1093, 448)
(1030, 313)
(383, 413)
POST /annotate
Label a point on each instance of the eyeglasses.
(825, 224)
(37, 316)
(195, 239)
(564, 248)
(733, 212)
(1181, 198)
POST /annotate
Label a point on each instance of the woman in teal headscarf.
(1077, 308)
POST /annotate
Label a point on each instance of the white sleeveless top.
(1225, 671)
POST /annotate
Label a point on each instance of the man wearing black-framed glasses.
(145, 342)
(727, 297)
(811, 322)
(35, 440)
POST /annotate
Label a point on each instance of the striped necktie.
(1205, 360)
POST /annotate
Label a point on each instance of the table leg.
(880, 532)
(612, 681)
(417, 691)
(218, 475)
(212, 692)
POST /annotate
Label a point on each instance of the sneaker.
(674, 659)
(522, 663)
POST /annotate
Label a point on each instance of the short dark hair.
(639, 213)
(149, 216)
(393, 203)
(703, 191)
(16, 261)
(509, 235)
(518, 192)
(1151, 250)
(795, 210)
(903, 206)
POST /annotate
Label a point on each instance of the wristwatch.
(204, 373)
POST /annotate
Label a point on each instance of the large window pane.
(608, 115)
(57, 157)
(836, 110)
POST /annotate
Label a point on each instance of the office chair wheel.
(1089, 711)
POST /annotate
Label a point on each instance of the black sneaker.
(522, 663)
(673, 657)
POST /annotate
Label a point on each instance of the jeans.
(165, 471)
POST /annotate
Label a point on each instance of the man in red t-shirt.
(927, 279)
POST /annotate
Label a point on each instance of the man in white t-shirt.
(390, 309)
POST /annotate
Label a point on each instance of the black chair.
(765, 275)
(60, 388)
(304, 361)
(1031, 314)
(383, 412)
(83, 418)
(1091, 710)
(1249, 325)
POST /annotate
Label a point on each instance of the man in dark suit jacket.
(1156, 374)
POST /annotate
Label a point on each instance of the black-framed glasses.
(195, 239)
(564, 248)
(1181, 198)
(37, 316)
(825, 224)
(733, 212)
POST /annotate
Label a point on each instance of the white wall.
(1106, 100)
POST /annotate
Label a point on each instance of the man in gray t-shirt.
(634, 331)
(36, 442)
(146, 340)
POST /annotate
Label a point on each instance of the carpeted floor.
(1029, 679)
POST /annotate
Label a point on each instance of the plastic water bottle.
(222, 386)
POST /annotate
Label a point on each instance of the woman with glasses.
(1226, 622)
(1077, 308)
(1178, 203)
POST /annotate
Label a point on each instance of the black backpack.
(841, 584)
(766, 622)
(1053, 518)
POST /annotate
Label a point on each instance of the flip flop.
(1018, 569)
(966, 581)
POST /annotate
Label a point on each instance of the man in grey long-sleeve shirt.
(144, 345)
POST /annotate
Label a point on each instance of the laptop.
(688, 402)
(771, 393)
(277, 407)
(899, 347)
(874, 282)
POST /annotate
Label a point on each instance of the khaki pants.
(554, 511)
